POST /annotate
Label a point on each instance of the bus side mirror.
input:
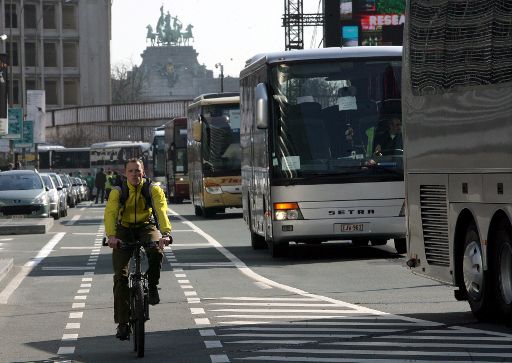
(261, 103)
(196, 131)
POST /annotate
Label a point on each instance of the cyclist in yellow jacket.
(133, 222)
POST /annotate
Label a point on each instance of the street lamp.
(219, 65)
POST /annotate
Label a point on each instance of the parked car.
(53, 194)
(72, 197)
(23, 194)
(63, 193)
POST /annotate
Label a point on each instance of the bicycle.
(138, 285)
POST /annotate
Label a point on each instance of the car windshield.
(55, 180)
(47, 181)
(20, 182)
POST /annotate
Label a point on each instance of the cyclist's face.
(134, 172)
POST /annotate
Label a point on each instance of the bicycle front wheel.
(139, 320)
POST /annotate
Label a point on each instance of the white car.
(53, 193)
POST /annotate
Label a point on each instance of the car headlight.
(41, 199)
(287, 211)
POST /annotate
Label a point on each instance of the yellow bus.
(213, 149)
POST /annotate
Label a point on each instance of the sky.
(225, 31)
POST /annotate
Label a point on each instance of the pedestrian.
(128, 218)
(89, 179)
(18, 166)
(99, 183)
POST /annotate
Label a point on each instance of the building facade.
(60, 46)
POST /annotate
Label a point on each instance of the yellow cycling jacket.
(134, 211)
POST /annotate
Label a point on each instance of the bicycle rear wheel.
(139, 320)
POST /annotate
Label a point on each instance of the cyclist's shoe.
(123, 331)
(153, 297)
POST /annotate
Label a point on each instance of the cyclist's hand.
(113, 242)
(164, 241)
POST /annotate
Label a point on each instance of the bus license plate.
(348, 227)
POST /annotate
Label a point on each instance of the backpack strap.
(146, 194)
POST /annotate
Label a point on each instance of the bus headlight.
(287, 211)
(213, 188)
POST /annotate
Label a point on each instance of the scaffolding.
(294, 21)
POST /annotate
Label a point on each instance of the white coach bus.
(322, 147)
(457, 109)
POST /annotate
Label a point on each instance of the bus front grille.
(434, 219)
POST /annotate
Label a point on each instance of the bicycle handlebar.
(127, 246)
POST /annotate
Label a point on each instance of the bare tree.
(127, 83)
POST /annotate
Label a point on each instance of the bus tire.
(401, 245)
(476, 281)
(258, 242)
(198, 211)
(501, 259)
(278, 249)
(209, 212)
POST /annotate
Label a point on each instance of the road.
(221, 301)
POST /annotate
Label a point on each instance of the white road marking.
(81, 297)
(202, 321)
(207, 332)
(183, 282)
(68, 268)
(76, 248)
(73, 220)
(193, 300)
(219, 358)
(66, 350)
(77, 315)
(73, 326)
(196, 311)
(190, 293)
(78, 305)
(85, 285)
(261, 285)
(86, 279)
(84, 233)
(6, 239)
(83, 291)
(210, 344)
(180, 275)
(187, 287)
(29, 266)
(68, 337)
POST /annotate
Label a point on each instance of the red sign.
(376, 21)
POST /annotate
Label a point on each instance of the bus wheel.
(198, 211)
(360, 242)
(258, 242)
(502, 262)
(476, 280)
(278, 249)
(401, 245)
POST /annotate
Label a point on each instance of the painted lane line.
(73, 220)
(251, 298)
(81, 297)
(86, 279)
(66, 350)
(6, 239)
(180, 275)
(197, 311)
(85, 285)
(78, 305)
(193, 300)
(219, 358)
(68, 268)
(207, 332)
(84, 233)
(77, 315)
(210, 344)
(75, 248)
(186, 287)
(69, 337)
(190, 293)
(202, 321)
(261, 285)
(29, 266)
(183, 282)
(72, 326)
(83, 291)
(88, 273)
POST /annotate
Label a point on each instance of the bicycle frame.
(137, 278)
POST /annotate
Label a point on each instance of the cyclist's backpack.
(146, 193)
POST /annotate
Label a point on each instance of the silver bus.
(457, 109)
(322, 147)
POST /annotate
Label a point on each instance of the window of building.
(8, 16)
(70, 54)
(14, 53)
(15, 91)
(70, 92)
(30, 84)
(50, 87)
(50, 54)
(30, 54)
(30, 17)
(49, 17)
(68, 16)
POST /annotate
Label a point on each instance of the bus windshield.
(221, 144)
(339, 119)
(159, 156)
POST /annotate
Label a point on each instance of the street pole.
(11, 81)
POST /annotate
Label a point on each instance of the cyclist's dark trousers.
(121, 260)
